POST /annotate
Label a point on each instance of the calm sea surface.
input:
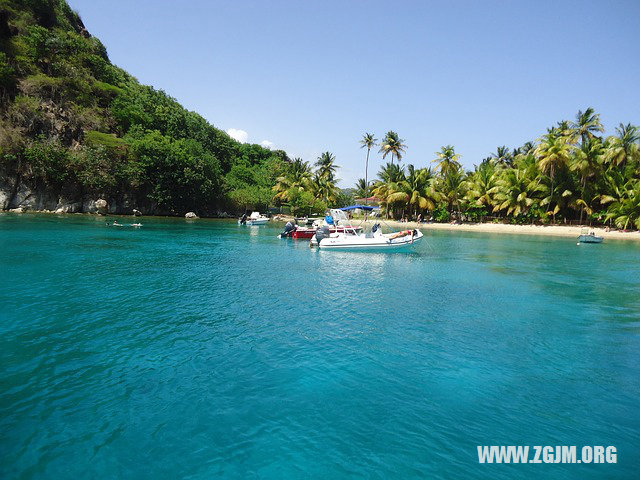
(206, 350)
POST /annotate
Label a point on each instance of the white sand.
(553, 230)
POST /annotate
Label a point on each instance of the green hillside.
(75, 128)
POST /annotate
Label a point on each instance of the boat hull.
(590, 239)
(254, 222)
(361, 243)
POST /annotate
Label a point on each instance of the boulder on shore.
(190, 215)
(136, 212)
(101, 206)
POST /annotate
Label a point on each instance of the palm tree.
(419, 183)
(586, 162)
(625, 209)
(390, 185)
(296, 176)
(299, 170)
(326, 165)
(448, 160)
(368, 141)
(502, 156)
(514, 192)
(586, 124)
(479, 185)
(324, 188)
(391, 173)
(552, 153)
(392, 144)
(564, 129)
(362, 188)
(452, 188)
(623, 148)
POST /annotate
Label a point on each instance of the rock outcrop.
(190, 215)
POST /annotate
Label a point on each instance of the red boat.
(308, 232)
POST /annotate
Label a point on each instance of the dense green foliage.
(310, 191)
(72, 122)
(570, 174)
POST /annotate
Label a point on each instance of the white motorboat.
(254, 219)
(589, 237)
(351, 240)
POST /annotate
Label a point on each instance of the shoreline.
(501, 228)
(504, 228)
(497, 228)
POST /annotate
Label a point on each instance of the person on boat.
(400, 234)
(115, 223)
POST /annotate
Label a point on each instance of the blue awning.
(361, 207)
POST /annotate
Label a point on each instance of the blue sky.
(311, 76)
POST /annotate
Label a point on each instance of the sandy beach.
(551, 230)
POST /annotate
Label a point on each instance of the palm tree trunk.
(584, 181)
(366, 180)
(551, 199)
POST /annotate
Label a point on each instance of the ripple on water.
(204, 350)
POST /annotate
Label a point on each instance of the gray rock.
(136, 212)
(68, 207)
(23, 198)
(190, 215)
(89, 206)
(101, 206)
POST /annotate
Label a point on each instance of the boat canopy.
(361, 207)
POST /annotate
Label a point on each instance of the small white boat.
(374, 240)
(589, 237)
(254, 219)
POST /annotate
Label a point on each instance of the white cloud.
(266, 144)
(239, 135)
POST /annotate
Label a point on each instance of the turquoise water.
(207, 350)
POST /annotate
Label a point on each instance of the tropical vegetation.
(572, 173)
(74, 126)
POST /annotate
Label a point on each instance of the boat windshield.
(341, 219)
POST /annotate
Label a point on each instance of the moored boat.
(589, 237)
(254, 219)
(298, 232)
(374, 240)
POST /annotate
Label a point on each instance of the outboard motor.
(322, 232)
(243, 219)
(289, 228)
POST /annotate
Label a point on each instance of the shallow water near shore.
(201, 349)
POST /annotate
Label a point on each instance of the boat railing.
(341, 219)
